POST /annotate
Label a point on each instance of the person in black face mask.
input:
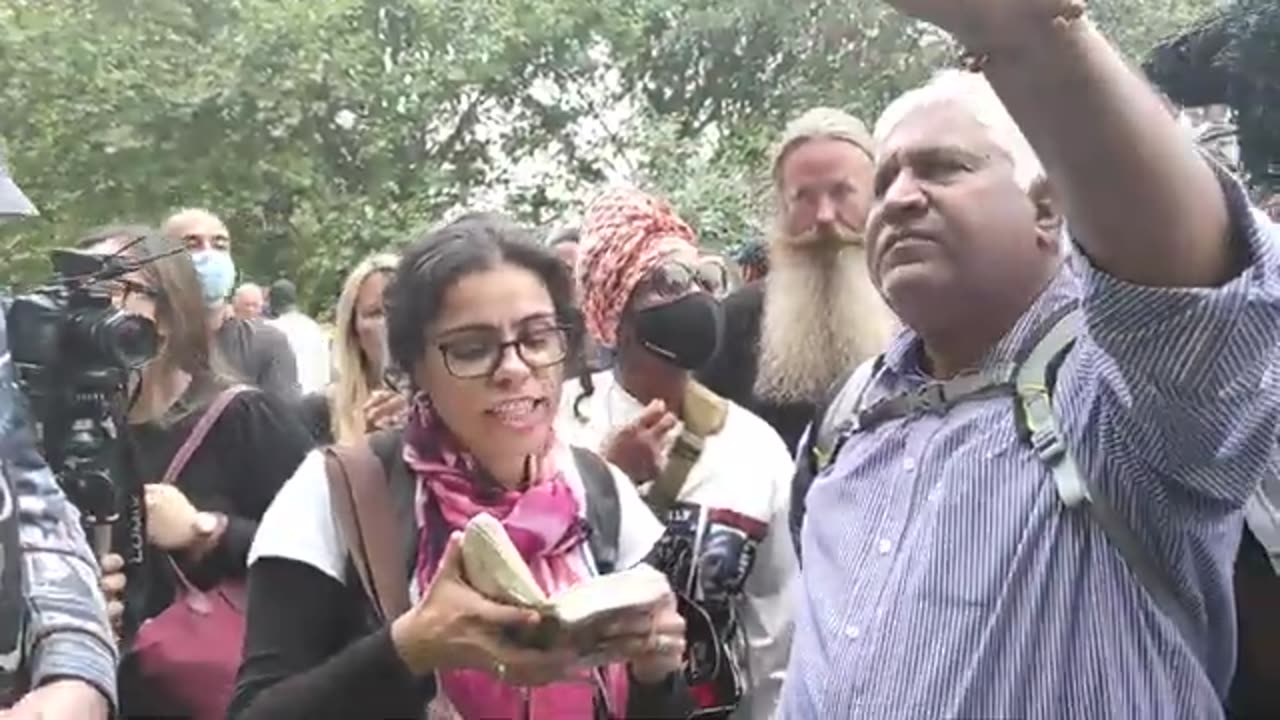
(715, 474)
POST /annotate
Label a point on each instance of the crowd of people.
(985, 428)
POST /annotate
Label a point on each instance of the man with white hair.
(257, 352)
(1032, 507)
(248, 301)
(779, 356)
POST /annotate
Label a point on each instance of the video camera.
(73, 352)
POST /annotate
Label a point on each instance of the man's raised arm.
(1142, 202)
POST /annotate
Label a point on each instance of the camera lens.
(129, 340)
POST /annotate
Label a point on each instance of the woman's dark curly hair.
(436, 261)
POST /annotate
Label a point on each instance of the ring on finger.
(500, 669)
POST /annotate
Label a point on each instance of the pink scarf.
(545, 524)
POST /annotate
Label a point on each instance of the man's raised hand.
(981, 25)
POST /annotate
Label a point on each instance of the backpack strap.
(1034, 382)
(604, 510)
(366, 516)
(837, 412)
(819, 445)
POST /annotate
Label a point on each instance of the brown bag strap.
(362, 505)
(200, 431)
(704, 415)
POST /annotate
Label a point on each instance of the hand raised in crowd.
(980, 24)
(113, 584)
(639, 448)
(385, 409)
(173, 523)
(60, 700)
(454, 627)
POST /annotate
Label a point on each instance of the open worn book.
(493, 567)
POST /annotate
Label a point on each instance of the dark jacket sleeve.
(300, 660)
(275, 367)
(272, 445)
(266, 443)
(316, 416)
(731, 374)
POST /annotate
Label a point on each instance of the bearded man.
(790, 337)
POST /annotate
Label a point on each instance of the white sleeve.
(638, 529)
(299, 525)
(767, 617)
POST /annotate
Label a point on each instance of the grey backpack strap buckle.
(935, 398)
(928, 398)
(1048, 446)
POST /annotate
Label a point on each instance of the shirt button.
(853, 632)
(884, 546)
(909, 464)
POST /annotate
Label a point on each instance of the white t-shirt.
(310, 349)
(300, 525)
(733, 507)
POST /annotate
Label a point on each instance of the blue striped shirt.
(943, 576)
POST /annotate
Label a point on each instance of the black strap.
(604, 512)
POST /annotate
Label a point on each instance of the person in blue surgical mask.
(259, 353)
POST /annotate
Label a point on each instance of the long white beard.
(822, 316)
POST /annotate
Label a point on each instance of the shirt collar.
(904, 354)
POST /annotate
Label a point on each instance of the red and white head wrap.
(625, 235)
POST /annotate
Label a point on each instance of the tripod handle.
(102, 539)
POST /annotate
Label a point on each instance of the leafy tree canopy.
(322, 130)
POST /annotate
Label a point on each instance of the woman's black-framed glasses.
(479, 353)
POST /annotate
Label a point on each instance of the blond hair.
(974, 94)
(820, 124)
(351, 390)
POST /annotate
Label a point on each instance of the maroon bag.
(189, 654)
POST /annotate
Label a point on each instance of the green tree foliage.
(1231, 58)
(324, 129)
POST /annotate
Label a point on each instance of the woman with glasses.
(205, 520)
(482, 319)
(367, 392)
(717, 476)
